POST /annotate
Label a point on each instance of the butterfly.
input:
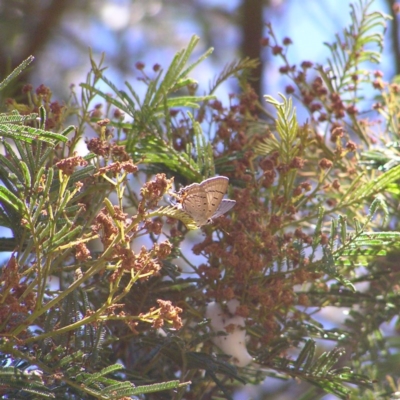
(204, 201)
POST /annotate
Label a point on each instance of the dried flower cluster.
(41, 96)
(261, 259)
(14, 307)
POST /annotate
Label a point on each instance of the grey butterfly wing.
(205, 201)
(215, 189)
(195, 203)
(225, 206)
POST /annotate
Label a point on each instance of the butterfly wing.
(204, 201)
(215, 189)
(195, 203)
(225, 206)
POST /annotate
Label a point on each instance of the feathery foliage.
(101, 272)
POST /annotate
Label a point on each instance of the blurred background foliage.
(59, 34)
(291, 331)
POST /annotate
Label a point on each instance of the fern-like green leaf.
(30, 135)
(174, 212)
(16, 72)
(377, 185)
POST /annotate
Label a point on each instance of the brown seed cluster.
(153, 191)
(144, 262)
(68, 165)
(115, 168)
(82, 253)
(99, 147)
(259, 255)
(106, 149)
(14, 308)
(41, 96)
(104, 226)
(325, 102)
(109, 223)
(168, 313)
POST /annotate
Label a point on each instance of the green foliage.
(147, 139)
(15, 73)
(320, 370)
(92, 297)
(15, 126)
(26, 133)
(355, 46)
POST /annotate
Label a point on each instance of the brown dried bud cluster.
(146, 263)
(99, 147)
(44, 92)
(168, 313)
(153, 191)
(351, 146)
(153, 226)
(297, 163)
(325, 163)
(82, 253)
(116, 168)
(104, 224)
(68, 165)
(13, 302)
(106, 149)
